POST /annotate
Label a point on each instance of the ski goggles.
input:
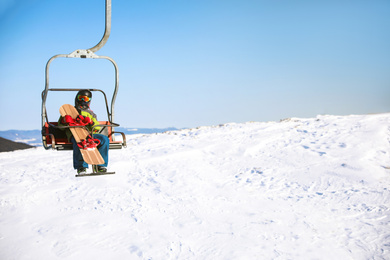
(85, 98)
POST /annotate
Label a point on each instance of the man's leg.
(103, 147)
(78, 161)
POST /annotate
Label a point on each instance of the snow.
(314, 188)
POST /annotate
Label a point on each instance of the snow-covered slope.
(297, 189)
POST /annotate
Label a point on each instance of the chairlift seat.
(56, 138)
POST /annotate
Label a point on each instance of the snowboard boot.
(100, 168)
(82, 170)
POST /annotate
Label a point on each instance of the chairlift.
(53, 136)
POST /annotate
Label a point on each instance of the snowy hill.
(296, 189)
(8, 145)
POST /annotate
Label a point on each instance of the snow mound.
(297, 189)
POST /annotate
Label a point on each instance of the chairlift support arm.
(88, 53)
(84, 54)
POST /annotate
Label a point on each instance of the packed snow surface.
(296, 189)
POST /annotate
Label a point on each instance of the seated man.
(82, 103)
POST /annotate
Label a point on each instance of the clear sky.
(188, 63)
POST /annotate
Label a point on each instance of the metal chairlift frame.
(48, 137)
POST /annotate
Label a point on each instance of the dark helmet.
(83, 99)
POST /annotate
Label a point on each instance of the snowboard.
(94, 174)
(91, 155)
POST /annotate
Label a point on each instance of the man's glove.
(87, 121)
(84, 120)
(67, 119)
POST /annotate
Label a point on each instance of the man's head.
(83, 99)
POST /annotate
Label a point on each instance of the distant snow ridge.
(297, 189)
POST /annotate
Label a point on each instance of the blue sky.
(198, 62)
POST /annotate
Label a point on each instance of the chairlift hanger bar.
(107, 31)
(90, 53)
